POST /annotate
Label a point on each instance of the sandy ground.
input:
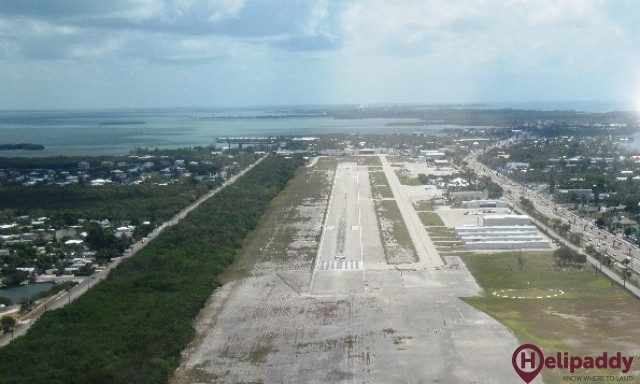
(372, 324)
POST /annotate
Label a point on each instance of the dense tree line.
(471, 115)
(131, 327)
(564, 256)
(116, 202)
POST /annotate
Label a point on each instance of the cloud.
(38, 30)
(339, 50)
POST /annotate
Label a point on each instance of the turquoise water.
(24, 291)
(117, 132)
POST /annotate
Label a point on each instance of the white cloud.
(345, 50)
(139, 10)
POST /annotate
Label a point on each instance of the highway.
(63, 298)
(601, 239)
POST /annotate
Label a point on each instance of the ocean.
(117, 132)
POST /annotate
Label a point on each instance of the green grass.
(441, 231)
(592, 315)
(380, 188)
(423, 205)
(406, 179)
(502, 271)
(398, 159)
(277, 227)
(378, 178)
(369, 160)
(430, 219)
(455, 253)
(440, 238)
(397, 242)
(326, 163)
(449, 247)
(382, 192)
(363, 160)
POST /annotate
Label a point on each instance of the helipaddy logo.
(528, 360)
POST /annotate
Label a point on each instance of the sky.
(67, 54)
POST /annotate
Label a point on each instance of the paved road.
(64, 298)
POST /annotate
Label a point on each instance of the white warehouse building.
(484, 204)
(502, 220)
(502, 232)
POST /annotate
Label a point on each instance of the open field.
(441, 233)
(395, 237)
(590, 316)
(380, 186)
(430, 219)
(398, 159)
(290, 228)
(401, 326)
(423, 205)
(406, 178)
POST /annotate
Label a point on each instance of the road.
(427, 254)
(62, 299)
(601, 239)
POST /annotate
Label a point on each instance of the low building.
(467, 195)
(514, 165)
(65, 232)
(484, 204)
(430, 155)
(370, 151)
(502, 245)
(84, 165)
(505, 220)
(502, 232)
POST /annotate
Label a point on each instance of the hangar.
(502, 232)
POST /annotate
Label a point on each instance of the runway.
(339, 262)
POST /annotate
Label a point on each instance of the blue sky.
(215, 53)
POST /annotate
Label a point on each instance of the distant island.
(122, 123)
(24, 146)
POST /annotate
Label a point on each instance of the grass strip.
(430, 219)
